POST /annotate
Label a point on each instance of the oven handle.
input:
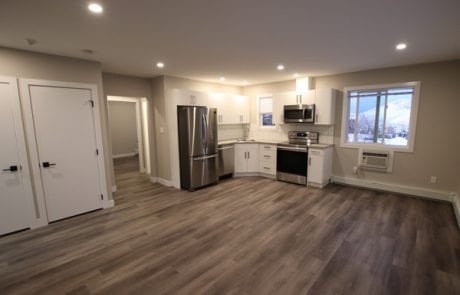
(301, 150)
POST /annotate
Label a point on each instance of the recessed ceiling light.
(401, 46)
(95, 8)
(296, 75)
(245, 82)
(222, 78)
(280, 67)
(160, 65)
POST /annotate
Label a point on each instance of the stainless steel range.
(292, 157)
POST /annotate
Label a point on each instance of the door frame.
(139, 127)
(22, 148)
(25, 84)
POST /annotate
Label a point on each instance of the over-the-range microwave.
(299, 113)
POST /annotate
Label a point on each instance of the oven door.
(291, 164)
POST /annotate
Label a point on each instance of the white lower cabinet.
(246, 158)
(267, 159)
(319, 167)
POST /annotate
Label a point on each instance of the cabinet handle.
(266, 168)
(249, 155)
(309, 161)
(316, 117)
(245, 155)
(267, 156)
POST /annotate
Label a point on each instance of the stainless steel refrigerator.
(197, 146)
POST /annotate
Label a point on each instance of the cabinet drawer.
(312, 152)
(267, 156)
(267, 167)
(267, 147)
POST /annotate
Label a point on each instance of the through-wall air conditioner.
(375, 160)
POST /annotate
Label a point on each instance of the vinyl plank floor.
(243, 236)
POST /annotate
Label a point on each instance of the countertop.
(314, 146)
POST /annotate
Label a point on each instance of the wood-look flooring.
(244, 236)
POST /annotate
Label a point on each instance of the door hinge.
(92, 103)
(97, 152)
(102, 197)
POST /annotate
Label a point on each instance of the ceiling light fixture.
(160, 65)
(280, 67)
(222, 78)
(401, 46)
(95, 8)
(296, 75)
(245, 82)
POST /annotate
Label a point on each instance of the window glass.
(380, 116)
(266, 111)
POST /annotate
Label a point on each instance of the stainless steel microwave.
(299, 113)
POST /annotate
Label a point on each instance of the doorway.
(128, 126)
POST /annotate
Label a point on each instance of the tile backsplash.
(229, 132)
(280, 132)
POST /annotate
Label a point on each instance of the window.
(380, 116)
(266, 111)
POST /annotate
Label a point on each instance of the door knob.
(48, 164)
(12, 169)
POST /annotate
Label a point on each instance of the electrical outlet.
(433, 179)
(162, 130)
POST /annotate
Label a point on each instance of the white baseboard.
(116, 156)
(114, 188)
(108, 204)
(161, 181)
(395, 188)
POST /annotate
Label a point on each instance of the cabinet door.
(308, 97)
(279, 101)
(219, 101)
(253, 157)
(241, 158)
(241, 109)
(315, 166)
(325, 106)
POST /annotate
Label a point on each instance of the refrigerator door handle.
(204, 157)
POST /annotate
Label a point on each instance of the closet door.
(67, 150)
(15, 190)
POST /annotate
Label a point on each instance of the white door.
(241, 154)
(315, 166)
(253, 157)
(66, 144)
(14, 210)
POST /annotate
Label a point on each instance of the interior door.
(66, 144)
(14, 211)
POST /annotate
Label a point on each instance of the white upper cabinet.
(325, 100)
(241, 109)
(279, 101)
(231, 109)
(188, 98)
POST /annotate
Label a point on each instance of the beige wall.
(128, 86)
(161, 150)
(193, 85)
(25, 64)
(123, 127)
(437, 138)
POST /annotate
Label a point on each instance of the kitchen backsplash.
(280, 132)
(229, 132)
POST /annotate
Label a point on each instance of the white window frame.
(412, 122)
(259, 120)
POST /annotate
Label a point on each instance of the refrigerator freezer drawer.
(203, 171)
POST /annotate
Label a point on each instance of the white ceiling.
(238, 39)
